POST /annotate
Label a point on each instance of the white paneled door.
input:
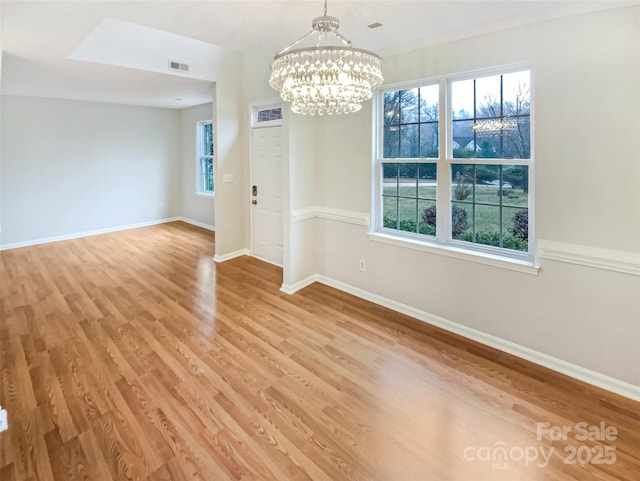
(267, 158)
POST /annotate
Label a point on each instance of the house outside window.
(453, 162)
(204, 157)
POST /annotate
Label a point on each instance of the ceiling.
(39, 37)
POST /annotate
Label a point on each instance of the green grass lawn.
(489, 216)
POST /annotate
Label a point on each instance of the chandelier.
(497, 126)
(325, 79)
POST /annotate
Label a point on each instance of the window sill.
(518, 265)
(211, 195)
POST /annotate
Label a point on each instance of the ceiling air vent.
(178, 67)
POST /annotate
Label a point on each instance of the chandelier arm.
(344, 39)
(295, 43)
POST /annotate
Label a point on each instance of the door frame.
(254, 107)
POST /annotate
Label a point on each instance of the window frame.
(443, 242)
(201, 158)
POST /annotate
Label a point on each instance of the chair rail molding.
(587, 256)
(330, 213)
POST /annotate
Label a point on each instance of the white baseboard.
(197, 223)
(87, 233)
(231, 255)
(603, 381)
(292, 288)
(76, 235)
(265, 260)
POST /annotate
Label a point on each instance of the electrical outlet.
(363, 265)
(227, 177)
(4, 422)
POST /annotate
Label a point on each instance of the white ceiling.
(38, 37)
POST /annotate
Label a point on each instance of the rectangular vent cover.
(178, 67)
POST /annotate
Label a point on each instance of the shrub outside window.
(468, 186)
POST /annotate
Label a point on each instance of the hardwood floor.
(132, 355)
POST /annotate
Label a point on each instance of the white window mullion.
(376, 201)
(442, 206)
(378, 178)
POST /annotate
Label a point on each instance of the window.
(457, 173)
(263, 116)
(411, 118)
(267, 115)
(204, 136)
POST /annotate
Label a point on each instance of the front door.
(267, 159)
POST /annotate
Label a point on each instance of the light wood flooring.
(133, 356)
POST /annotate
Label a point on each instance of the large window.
(453, 162)
(204, 136)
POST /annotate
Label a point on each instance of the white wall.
(344, 171)
(70, 167)
(587, 170)
(232, 157)
(194, 206)
(303, 161)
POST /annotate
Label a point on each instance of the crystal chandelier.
(498, 126)
(325, 79)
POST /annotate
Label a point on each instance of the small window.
(268, 115)
(204, 168)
